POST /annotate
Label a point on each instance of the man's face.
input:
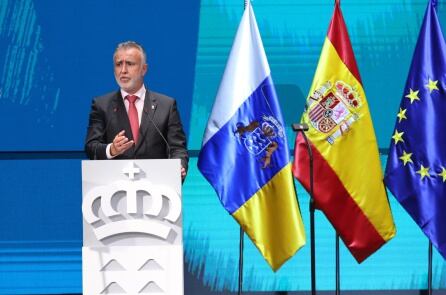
(129, 69)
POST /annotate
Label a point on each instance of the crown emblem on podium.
(131, 206)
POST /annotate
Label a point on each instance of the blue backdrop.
(55, 56)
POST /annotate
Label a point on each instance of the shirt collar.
(141, 93)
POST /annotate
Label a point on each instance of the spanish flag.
(245, 154)
(348, 181)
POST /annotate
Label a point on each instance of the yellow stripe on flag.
(272, 219)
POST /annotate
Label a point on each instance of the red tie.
(133, 116)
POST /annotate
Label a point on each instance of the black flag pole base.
(302, 128)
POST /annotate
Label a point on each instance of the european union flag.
(416, 167)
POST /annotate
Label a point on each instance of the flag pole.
(337, 264)
(240, 263)
(302, 128)
(338, 272)
(429, 271)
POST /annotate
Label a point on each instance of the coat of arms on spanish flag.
(348, 180)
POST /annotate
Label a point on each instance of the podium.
(132, 227)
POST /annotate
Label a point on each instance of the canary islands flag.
(245, 155)
(416, 166)
(348, 180)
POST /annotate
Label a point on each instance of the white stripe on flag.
(246, 68)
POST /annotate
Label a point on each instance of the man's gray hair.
(131, 44)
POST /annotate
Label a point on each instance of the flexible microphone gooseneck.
(158, 130)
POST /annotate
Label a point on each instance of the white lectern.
(133, 241)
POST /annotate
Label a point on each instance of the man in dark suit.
(135, 122)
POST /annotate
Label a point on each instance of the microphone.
(158, 130)
(300, 127)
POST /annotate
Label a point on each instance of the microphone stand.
(302, 128)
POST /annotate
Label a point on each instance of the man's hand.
(120, 144)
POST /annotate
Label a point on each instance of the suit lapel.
(147, 116)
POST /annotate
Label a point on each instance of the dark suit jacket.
(108, 117)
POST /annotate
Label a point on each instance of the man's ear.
(145, 67)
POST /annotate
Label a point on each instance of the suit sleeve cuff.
(107, 151)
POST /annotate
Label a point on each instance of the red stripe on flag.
(338, 35)
(331, 197)
(316, 113)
